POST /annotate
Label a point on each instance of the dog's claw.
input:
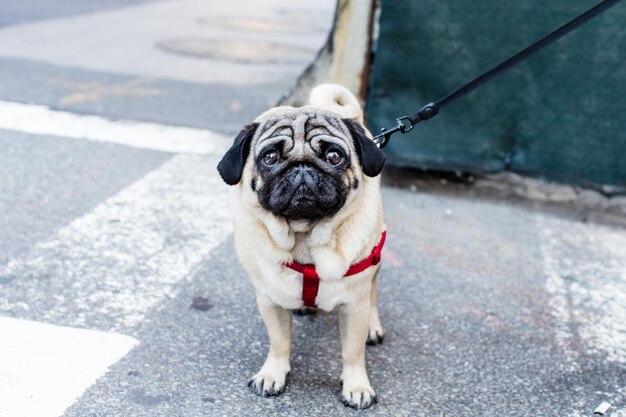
(259, 387)
(361, 404)
(375, 338)
(359, 400)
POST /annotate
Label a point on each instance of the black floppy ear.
(372, 159)
(231, 165)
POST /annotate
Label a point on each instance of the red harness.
(311, 281)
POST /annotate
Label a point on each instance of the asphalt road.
(121, 295)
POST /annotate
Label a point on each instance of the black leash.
(405, 123)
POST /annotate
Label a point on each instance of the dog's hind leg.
(271, 380)
(376, 334)
(305, 311)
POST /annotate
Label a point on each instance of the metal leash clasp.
(406, 124)
(403, 125)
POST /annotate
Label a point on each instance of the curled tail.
(338, 99)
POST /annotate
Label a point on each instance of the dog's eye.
(334, 156)
(270, 158)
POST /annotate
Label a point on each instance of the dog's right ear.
(231, 165)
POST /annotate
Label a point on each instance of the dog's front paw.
(270, 381)
(359, 397)
(357, 391)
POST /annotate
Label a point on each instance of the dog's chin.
(301, 226)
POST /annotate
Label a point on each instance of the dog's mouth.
(303, 192)
(305, 203)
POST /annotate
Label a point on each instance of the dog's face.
(303, 163)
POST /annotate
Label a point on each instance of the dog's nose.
(305, 175)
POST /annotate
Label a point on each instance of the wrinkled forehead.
(301, 129)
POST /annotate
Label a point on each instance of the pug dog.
(306, 187)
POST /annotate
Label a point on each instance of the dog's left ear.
(231, 165)
(372, 159)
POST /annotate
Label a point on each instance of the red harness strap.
(311, 281)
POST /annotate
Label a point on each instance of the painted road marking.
(586, 286)
(45, 368)
(129, 253)
(116, 262)
(41, 120)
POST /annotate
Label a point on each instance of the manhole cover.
(237, 50)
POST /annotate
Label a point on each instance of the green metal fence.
(559, 115)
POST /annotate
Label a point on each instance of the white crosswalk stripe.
(41, 120)
(120, 260)
(596, 305)
(128, 253)
(45, 368)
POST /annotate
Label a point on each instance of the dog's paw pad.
(375, 337)
(266, 386)
(305, 311)
(359, 399)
